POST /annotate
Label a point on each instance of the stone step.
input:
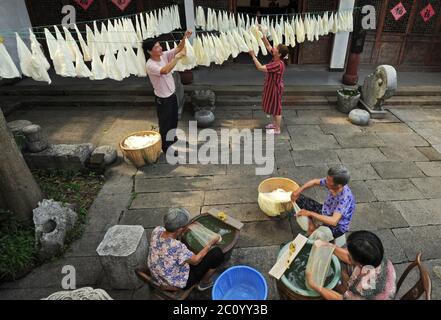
(146, 90)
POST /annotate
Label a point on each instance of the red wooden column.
(358, 38)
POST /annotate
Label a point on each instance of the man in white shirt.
(159, 69)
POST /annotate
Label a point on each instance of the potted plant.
(347, 99)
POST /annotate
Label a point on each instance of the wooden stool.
(164, 292)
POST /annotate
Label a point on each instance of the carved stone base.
(375, 113)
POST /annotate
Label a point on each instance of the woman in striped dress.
(274, 86)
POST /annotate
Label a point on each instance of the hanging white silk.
(141, 62)
(63, 44)
(37, 50)
(81, 69)
(98, 70)
(8, 69)
(71, 43)
(51, 43)
(83, 45)
(25, 56)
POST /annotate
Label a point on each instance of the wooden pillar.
(358, 38)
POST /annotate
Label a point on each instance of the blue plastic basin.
(240, 283)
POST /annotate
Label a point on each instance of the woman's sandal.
(274, 131)
(270, 126)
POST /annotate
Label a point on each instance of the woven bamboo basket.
(271, 184)
(147, 155)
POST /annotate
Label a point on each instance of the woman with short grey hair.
(172, 264)
(339, 206)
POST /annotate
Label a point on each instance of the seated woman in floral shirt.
(373, 277)
(172, 265)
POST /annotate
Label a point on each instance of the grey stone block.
(123, 249)
(359, 117)
(109, 153)
(423, 239)
(52, 222)
(393, 170)
(376, 216)
(395, 189)
(420, 212)
(430, 187)
(431, 169)
(71, 157)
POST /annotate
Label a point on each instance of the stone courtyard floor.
(396, 177)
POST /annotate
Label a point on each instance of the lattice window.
(421, 27)
(400, 26)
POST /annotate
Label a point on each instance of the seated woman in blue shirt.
(337, 210)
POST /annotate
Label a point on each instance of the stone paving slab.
(415, 239)
(229, 196)
(360, 155)
(190, 170)
(430, 187)
(249, 170)
(393, 170)
(167, 199)
(106, 210)
(404, 139)
(415, 114)
(266, 233)
(340, 129)
(392, 247)
(302, 175)
(245, 212)
(397, 153)
(152, 217)
(27, 294)
(397, 128)
(239, 181)
(430, 153)
(377, 216)
(361, 192)
(260, 258)
(420, 212)
(318, 143)
(360, 140)
(143, 185)
(315, 157)
(86, 246)
(395, 189)
(430, 169)
(362, 171)
(428, 130)
(88, 272)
